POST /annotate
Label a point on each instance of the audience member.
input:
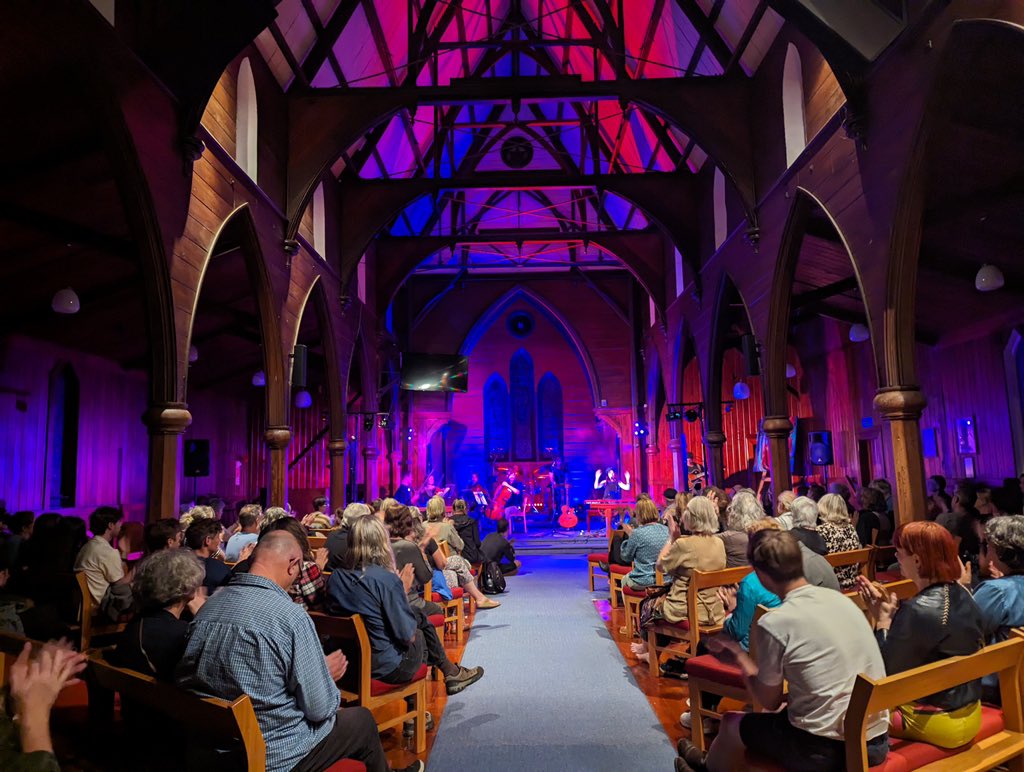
(338, 552)
(1001, 598)
(273, 514)
(400, 524)
(497, 547)
(741, 601)
(643, 544)
(783, 510)
(36, 679)
(11, 606)
(842, 490)
(441, 529)
(880, 483)
(469, 532)
(805, 524)
(163, 534)
(402, 638)
(815, 492)
(198, 512)
(318, 519)
(964, 521)
(251, 638)
(720, 499)
(676, 508)
(938, 500)
(679, 557)
(669, 497)
(839, 535)
(19, 531)
(310, 587)
(874, 524)
(203, 537)
(166, 583)
(455, 569)
(817, 642)
(743, 510)
(940, 621)
(101, 563)
(250, 520)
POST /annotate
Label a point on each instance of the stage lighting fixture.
(691, 415)
(383, 422)
(303, 399)
(259, 378)
(408, 433)
(859, 333)
(367, 423)
(740, 390)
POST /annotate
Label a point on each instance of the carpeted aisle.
(556, 694)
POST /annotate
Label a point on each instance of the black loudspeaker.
(749, 346)
(197, 458)
(299, 367)
(819, 448)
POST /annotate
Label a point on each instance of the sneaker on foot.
(465, 677)
(409, 727)
(416, 766)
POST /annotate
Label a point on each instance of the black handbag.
(492, 581)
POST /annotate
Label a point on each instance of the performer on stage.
(611, 486)
(476, 494)
(428, 490)
(515, 488)
(695, 473)
(404, 493)
(557, 476)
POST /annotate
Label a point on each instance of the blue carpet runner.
(556, 694)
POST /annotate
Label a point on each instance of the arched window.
(549, 416)
(496, 443)
(679, 272)
(361, 280)
(521, 398)
(721, 213)
(793, 105)
(246, 121)
(319, 222)
(62, 438)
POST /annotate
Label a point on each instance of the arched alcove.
(549, 416)
(62, 437)
(319, 222)
(496, 419)
(793, 118)
(246, 121)
(523, 406)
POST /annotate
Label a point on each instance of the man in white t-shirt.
(98, 559)
(818, 641)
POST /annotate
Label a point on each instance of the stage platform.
(545, 541)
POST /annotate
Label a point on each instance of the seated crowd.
(967, 571)
(222, 610)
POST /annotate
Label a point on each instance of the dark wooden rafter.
(318, 27)
(705, 27)
(325, 41)
(286, 52)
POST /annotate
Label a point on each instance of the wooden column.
(778, 429)
(165, 424)
(370, 454)
(651, 463)
(713, 441)
(902, 406)
(336, 449)
(675, 447)
(277, 439)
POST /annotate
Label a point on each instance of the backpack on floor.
(492, 581)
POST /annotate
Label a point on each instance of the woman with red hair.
(941, 621)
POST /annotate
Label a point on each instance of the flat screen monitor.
(435, 372)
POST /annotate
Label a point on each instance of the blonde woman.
(839, 535)
(196, 513)
(680, 556)
(401, 637)
(456, 569)
(440, 528)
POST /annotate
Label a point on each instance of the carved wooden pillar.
(165, 424)
(651, 467)
(277, 439)
(336, 449)
(778, 429)
(902, 406)
(714, 439)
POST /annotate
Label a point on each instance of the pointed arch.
(317, 295)
(246, 121)
(238, 233)
(793, 118)
(496, 418)
(550, 421)
(522, 406)
(570, 334)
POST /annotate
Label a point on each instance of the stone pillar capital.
(167, 418)
(337, 447)
(900, 403)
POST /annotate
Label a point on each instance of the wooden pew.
(357, 685)
(858, 557)
(689, 631)
(984, 752)
(214, 718)
(631, 600)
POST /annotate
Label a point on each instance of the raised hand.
(246, 551)
(406, 575)
(727, 594)
(320, 556)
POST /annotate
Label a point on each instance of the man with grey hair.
(251, 638)
(337, 541)
(1001, 598)
(805, 524)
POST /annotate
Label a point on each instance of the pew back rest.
(216, 718)
(705, 580)
(860, 557)
(349, 633)
(869, 696)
